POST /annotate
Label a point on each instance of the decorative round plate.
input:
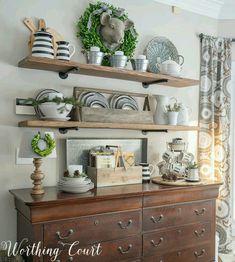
(88, 99)
(121, 101)
(158, 50)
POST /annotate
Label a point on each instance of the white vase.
(172, 118)
(160, 116)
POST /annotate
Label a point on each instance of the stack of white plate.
(75, 184)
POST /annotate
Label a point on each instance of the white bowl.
(51, 109)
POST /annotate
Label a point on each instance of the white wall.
(151, 19)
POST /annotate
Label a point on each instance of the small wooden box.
(113, 177)
(110, 115)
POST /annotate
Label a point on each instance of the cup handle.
(151, 169)
(73, 50)
(182, 60)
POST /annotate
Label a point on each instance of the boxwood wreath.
(50, 142)
(90, 34)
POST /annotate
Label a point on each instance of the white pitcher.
(160, 116)
(184, 115)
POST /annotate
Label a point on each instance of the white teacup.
(177, 169)
(73, 168)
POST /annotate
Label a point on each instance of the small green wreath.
(91, 37)
(50, 142)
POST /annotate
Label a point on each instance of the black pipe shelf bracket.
(64, 131)
(64, 75)
(147, 84)
(145, 132)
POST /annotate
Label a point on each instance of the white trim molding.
(210, 8)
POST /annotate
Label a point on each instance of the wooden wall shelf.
(103, 71)
(74, 124)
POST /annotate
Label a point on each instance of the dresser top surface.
(53, 194)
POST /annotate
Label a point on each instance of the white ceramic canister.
(64, 50)
(140, 63)
(42, 45)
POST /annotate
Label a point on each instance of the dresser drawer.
(159, 217)
(93, 228)
(127, 249)
(160, 242)
(201, 253)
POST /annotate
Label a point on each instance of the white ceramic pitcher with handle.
(160, 116)
(65, 50)
(184, 115)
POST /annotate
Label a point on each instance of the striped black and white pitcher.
(147, 171)
(42, 45)
(65, 50)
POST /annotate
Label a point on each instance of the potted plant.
(192, 172)
(55, 107)
(172, 112)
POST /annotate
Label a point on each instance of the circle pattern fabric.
(214, 120)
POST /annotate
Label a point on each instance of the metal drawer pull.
(201, 233)
(157, 220)
(203, 251)
(70, 232)
(127, 225)
(200, 213)
(159, 242)
(70, 259)
(125, 251)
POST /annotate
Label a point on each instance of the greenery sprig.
(91, 37)
(174, 108)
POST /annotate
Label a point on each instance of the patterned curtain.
(214, 120)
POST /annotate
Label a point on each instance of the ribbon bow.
(104, 8)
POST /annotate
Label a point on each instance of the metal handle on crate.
(70, 232)
(127, 225)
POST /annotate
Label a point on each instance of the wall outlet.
(22, 161)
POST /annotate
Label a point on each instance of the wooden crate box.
(113, 177)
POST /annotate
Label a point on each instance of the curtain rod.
(201, 36)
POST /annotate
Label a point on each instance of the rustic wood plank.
(70, 124)
(102, 71)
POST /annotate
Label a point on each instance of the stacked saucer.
(75, 184)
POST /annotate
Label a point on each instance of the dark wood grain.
(93, 229)
(165, 216)
(94, 217)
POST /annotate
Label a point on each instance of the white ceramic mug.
(177, 169)
(168, 155)
(185, 157)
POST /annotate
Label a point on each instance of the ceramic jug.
(184, 115)
(160, 116)
(42, 45)
(63, 50)
(147, 171)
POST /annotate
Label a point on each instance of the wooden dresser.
(135, 223)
